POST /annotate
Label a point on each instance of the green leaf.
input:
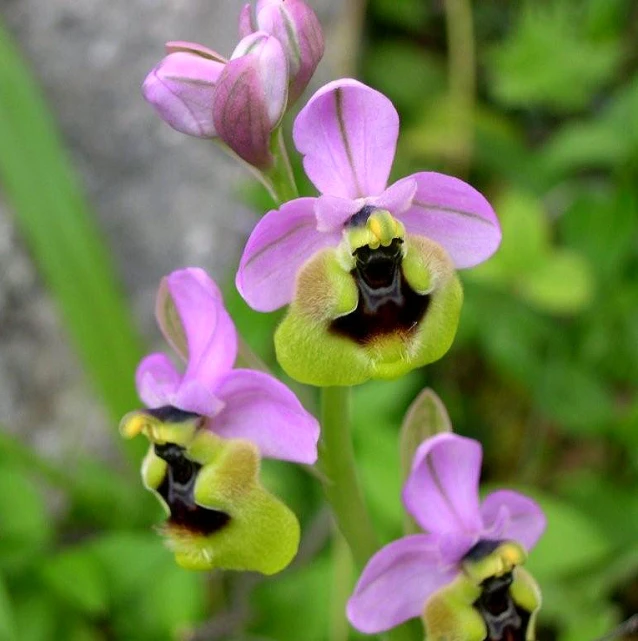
(560, 284)
(408, 14)
(525, 243)
(441, 131)
(549, 60)
(574, 397)
(575, 611)
(378, 465)
(377, 411)
(76, 577)
(7, 623)
(501, 149)
(129, 560)
(510, 333)
(36, 614)
(408, 74)
(109, 498)
(606, 140)
(79, 630)
(151, 597)
(572, 542)
(174, 601)
(580, 145)
(612, 505)
(306, 593)
(586, 225)
(24, 523)
(61, 232)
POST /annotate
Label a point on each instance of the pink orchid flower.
(234, 403)
(441, 494)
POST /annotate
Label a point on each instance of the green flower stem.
(462, 75)
(257, 174)
(341, 485)
(342, 578)
(336, 460)
(280, 176)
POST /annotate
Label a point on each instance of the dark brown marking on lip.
(177, 489)
(387, 303)
(170, 414)
(505, 621)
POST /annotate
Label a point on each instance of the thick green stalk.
(336, 460)
(462, 75)
(341, 485)
(339, 630)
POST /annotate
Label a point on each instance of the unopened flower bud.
(241, 101)
(181, 88)
(251, 97)
(296, 26)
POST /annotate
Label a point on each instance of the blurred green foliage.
(544, 370)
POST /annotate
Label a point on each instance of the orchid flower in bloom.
(463, 575)
(296, 26)
(241, 100)
(208, 427)
(368, 270)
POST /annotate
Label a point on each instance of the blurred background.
(535, 103)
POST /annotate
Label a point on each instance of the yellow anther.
(133, 423)
(383, 226)
(512, 555)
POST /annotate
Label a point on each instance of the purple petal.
(441, 492)
(246, 24)
(333, 212)
(157, 380)
(280, 244)
(263, 410)
(397, 198)
(347, 134)
(514, 517)
(396, 584)
(159, 384)
(195, 396)
(208, 329)
(240, 112)
(181, 89)
(455, 215)
(175, 46)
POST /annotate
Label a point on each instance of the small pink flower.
(347, 134)
(235, 403)
(441, 494)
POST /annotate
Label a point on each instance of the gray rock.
(163, 200)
